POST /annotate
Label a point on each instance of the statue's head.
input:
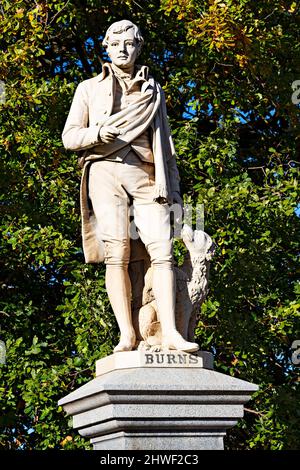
(123, 42)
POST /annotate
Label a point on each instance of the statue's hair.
(120, 27)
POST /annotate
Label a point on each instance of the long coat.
(92, 105)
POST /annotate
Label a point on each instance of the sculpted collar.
(141, 72)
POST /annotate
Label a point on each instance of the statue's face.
(123, 49)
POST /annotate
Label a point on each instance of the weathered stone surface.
(158, 408)
(134, 441)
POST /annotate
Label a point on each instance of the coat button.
(105, 112)
(109, 94)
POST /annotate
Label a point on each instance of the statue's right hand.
(108, 134)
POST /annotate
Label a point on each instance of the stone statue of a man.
(118, 122)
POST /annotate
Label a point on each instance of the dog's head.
(198, 242)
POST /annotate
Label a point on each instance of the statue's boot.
(164, 289)
(174, 340)
(118, 288)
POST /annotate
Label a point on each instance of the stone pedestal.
(144, 400)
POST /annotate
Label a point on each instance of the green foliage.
(227, 68)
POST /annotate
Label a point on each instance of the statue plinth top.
(170, 359)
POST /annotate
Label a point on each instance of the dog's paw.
(156, 348)
(143, 346)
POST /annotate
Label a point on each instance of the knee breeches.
(118, 190)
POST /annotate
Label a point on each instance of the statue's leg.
(153, 223)
(164, 289)
(111, 207)
(118, 289)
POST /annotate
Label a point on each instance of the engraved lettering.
(149, 358)
(171, 358)
(182, 359)
(193, 359)
(159, 358)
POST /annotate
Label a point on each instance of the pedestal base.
(167, 441)
(171, 405)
